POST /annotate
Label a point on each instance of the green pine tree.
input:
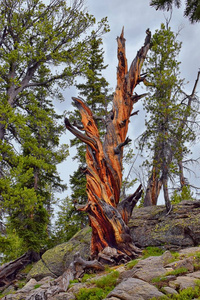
(95, 92)
(165, 136)
(29, 188)
(42, 49)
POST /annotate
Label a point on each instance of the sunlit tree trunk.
(109, 217)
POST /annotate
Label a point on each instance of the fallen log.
(9, 271)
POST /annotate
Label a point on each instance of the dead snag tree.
(109, 217)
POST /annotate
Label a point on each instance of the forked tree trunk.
(109, 217)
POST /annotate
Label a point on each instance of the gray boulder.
(134, 289)
(149, 268)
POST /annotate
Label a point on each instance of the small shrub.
(184, 194)
(27, 269)
(108, 269)
(175, 255)
(74, 281)
(196, 266)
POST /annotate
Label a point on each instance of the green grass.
(196, 266)
(107, 269)
(196, 260)
(27, 269)
(152, 251)
(186, 294)
(178, 271)
(37, 286)
(104, 286)
(159, 279)
(92, 294)
(74, 281)
(109, 280)
(21, 283)
(131, 264)
(86, 277)
(175, 255)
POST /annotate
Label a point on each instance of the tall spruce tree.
(167, 107)
(29, 188)
(95, 93)
(42, 49)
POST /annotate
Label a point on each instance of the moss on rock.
(56, 260)
(39, 271)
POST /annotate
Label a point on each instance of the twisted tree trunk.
(109, 217)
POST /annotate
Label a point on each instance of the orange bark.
(109, 217)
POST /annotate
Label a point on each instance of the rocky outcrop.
(150, 226)
(137, 283)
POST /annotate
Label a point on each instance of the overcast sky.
(136, 16)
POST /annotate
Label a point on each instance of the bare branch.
(134, 113)
(117, 149)
(89, 141)
(137, 97)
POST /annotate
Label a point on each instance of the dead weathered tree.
(109, 217)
